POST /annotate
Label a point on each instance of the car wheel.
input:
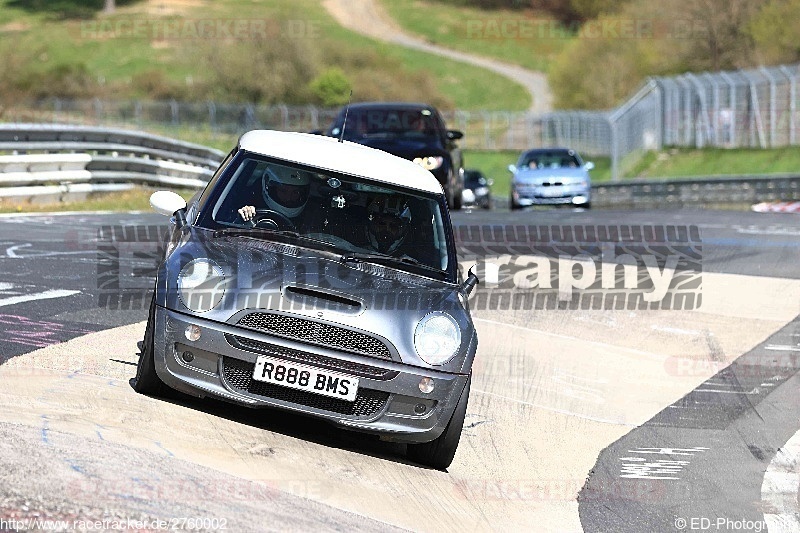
(587, 205)
(439, 452)
(512, 204)
(457, 203)
(147, 380)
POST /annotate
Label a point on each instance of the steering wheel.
(270, 219)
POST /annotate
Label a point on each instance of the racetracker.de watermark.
(207, 29)
(621, 267)
(504, 29)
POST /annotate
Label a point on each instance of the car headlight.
(437, 338)
(430, 162)
(201, 285)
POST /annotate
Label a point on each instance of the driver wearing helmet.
(285, 191)
(389, 220)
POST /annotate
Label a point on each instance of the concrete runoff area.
(551, 391)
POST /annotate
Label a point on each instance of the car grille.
(300, 356)
(316, 333)
(239, 375)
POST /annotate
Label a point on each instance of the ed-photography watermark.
(720, 523)
(584, 267)
(520, 267)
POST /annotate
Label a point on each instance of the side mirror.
(168, 203)
(470, 282)
(512, 168)
(589, 166)
(454, 135)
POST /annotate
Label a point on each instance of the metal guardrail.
(47, 159)
(690, 192)
(712, 190)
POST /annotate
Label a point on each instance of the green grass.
(133, 200)
(713, 161)
(524, 37)
(117, 56)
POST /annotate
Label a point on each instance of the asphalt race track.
(634, 420)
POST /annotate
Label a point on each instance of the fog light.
(192, 332)
(187, 356)
(426, 385)
(420, 408)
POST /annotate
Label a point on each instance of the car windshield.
(276, 200)
(543, 160)
(392, 123)
(474, 179)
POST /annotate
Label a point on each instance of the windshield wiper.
(267, 231)
(355, 257)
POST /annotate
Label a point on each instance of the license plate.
(306, 378)
(551, 192)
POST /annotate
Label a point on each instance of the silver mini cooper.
(319, 277)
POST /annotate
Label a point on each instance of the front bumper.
(532, 195)
(389, 400)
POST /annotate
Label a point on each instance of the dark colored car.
(320, 278)
(477, 190)
(412, 131)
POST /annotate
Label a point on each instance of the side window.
(210, 186)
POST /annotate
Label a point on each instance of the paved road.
(556, 395)
(369, 18)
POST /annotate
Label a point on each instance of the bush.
(262, 70)
(331, 88)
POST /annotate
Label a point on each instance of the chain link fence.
(747, 108)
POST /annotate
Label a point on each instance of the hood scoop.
(314, 299)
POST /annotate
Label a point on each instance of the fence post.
(772, 103)
(792, 103)
(755, 117)
(173, 110)
(212, 115)
(612, 123)
(732, 142)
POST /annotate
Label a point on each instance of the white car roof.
(346, 157)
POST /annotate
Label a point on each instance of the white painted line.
(727, 391)
(69, 213)
(11, 252)
(779, 490)
(778, 348)
(56, 293)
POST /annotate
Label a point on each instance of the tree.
(110, 6)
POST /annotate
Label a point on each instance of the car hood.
(264, 275)
(539, 176)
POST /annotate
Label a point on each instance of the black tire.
(147, 380)
(457, 201)
(439, 452)
(449, 197)
(512, 204)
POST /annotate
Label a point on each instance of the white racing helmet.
(389, 221)
(285, 190)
